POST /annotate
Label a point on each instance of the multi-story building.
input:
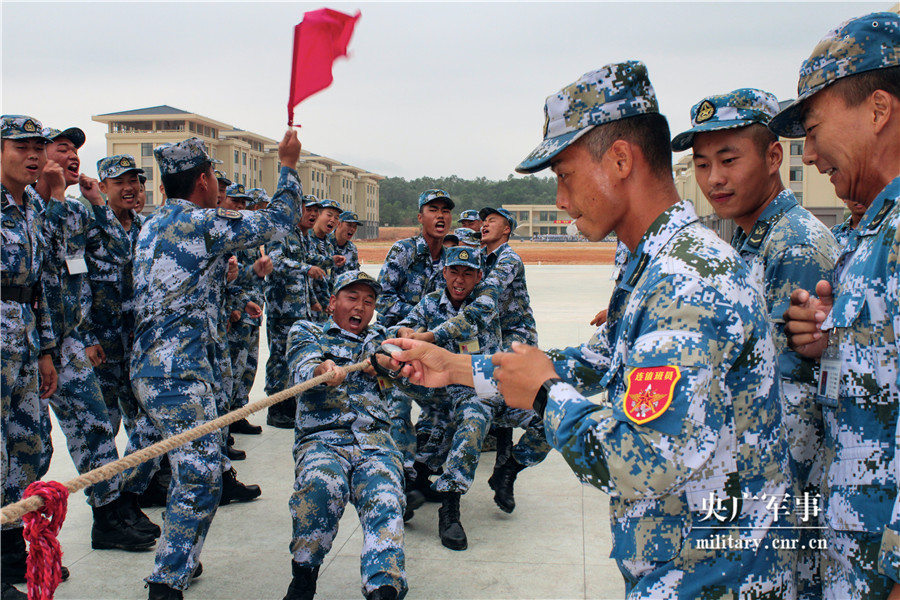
(248, 158)
(539, 219)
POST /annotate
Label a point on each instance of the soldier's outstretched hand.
(289, 149)
(430, 365)
(804, 318)
(521, 373)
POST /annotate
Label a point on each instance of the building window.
(149, 174)
(244, 158)
(797, 148)
(244, 180)
(149, 194)
(146, 149)
(796, 174)
(799, 196)
(237, 157)
(191, 127)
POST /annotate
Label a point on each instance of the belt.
(17, 293)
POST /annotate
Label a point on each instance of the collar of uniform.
(752, 241)
(667, 224)
(447, 304)
(499, 249)
(331, 327)
(879, 209)
(7, 198)
(181, 202)
(421, 246)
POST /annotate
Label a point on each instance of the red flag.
(321, 37)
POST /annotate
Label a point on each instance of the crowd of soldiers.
(748, 435)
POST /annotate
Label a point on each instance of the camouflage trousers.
(81, 412)
(532, 446)
(400, 400)
(174, 406)
(471, 419)
(849, 566)
(115, 383)
(243, 343)
(21, 416)
(327, 477)
(277, 376)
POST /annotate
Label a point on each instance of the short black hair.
(650, 132)
(762, 137)
(181, 185)
(854, 89)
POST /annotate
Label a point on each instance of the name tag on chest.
(829, 381)
(76, 265)
(469, 347)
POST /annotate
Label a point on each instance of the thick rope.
(13, 512)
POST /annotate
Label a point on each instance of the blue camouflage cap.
(503, 213)
(73, 134)
(311, 200)
(257, 196)
(615, 91)
(733, 110)
(116, 165)
(468, 215)
(434, 195)
(21, 127)
(351, 277)
(462, 256)
(221, 176)
(350, 217)
(466, 236)
(236, 190)
(183, 156)
(856, 46)
(330, 204)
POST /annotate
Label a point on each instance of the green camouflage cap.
(311, 200)
(183, 156)
(862, 44)
(73, 134)
(350, 217)
(116, 165)
(433, 195)
(466, 236)
(236, 190)
(330, 204)
(503, 213)
(615, 91)
(351, 277)
(221, 176)
(468, 215)
(462, 256)
(21, 127)
(733, 110)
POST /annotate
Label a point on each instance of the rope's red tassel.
(44, 566)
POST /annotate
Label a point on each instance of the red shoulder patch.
(649, 392)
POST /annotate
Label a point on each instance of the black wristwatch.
(540, 399)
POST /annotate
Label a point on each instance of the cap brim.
(372, 283)
(685, 140)
(445, 199)
(74, 135)
(540, 157)
(788, 123)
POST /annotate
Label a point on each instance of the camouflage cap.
(351, 277)
(257, 196)
(330, 204)
(434, 195)
(466, 236)
(236, 190)
(116, 165)
(733, 110)
(221, 176)
(350, 217)
(462, 256)
(862, 44)
(615, 91)
(21, 127)
(468, 215)
(310, 200)
(183, 156)
(73, 134)
(503, 213)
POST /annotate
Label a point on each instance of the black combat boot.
(245, 427)
(134, 516)
(385, 592)
(8, 592)
(112, 532)
(160, 591)
(452, 534)
(235, 491)
(504, 437)
(422, 482)
(414, 498)
(502, 482)
(303, 585)
(234, 454)
(15, 556)
(157, 493)
(281, 415)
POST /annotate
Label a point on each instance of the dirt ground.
(532, 253)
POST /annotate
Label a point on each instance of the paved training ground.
(555, 545)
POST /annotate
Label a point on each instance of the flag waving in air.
(321, 37)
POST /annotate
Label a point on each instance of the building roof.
(164, 109)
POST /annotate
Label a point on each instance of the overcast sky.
(429, 89)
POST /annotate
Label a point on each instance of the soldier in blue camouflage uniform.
(343, 451)
(323, 246)
(848, 107)
(467, 237)
(179, 272)
(692, 423)
(736, 162)
(841, 231)
(470, 219)
(343, 244)
(28, 339)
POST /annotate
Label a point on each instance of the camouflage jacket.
(349, 252)
(323, 249)
(686, 312)
(841, 232)
(861, 428)
(112, 287)
(408, 274)
(179, 277)
(248, 287)
(288, 290)
(355, 411)
(25, 331)
(436, 308)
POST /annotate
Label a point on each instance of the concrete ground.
(555, 545)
